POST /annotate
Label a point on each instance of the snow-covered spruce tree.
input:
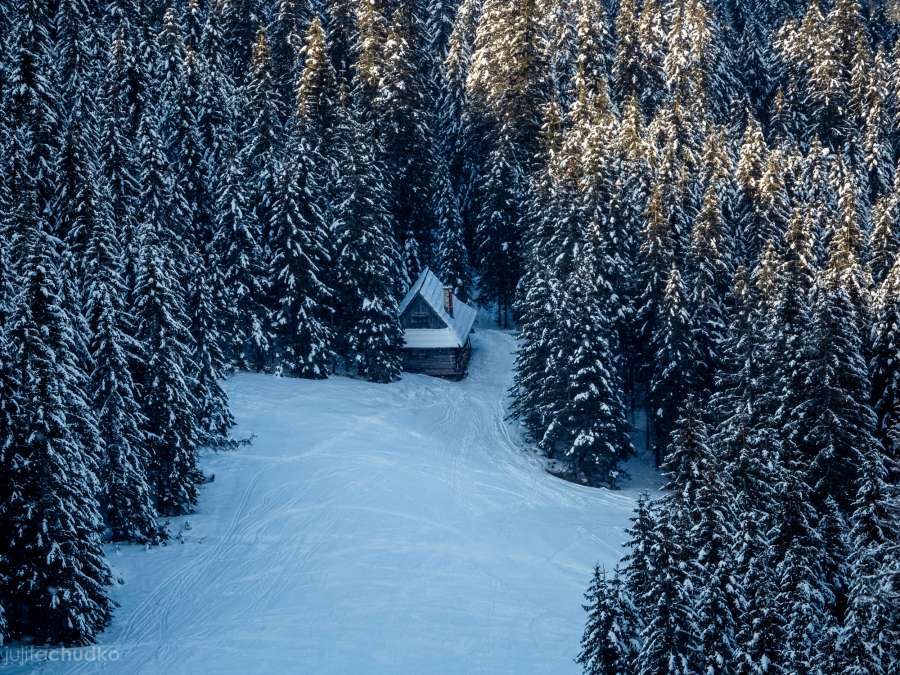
(628, 71)
(168, 75)
(753, 454)
(240, 258)
(784, 322)
(137, 59)
(559, 47)
(372, 22)
(771, 210)
(213, 417)
(289, 19)
(452, 254)
(847, 250)
(506, 85)
(803, 594)
(317, 95)
(8, 412)
(163, 377)
(127, 498)
(217, 100)
(759, 634)
(607, 645)
(688, 458)
(876, 146)
(592, 414)
(52, 554)
(118, 163)
(31, 116)
(369, 333)
(77, 41)
(162, 197)
(301, 275)
(752, 157)
(507, 76)
(835, 533)
(192, 18)
(675, 361)
(884, 238)
(638, 571)
(657, 254)
(693, 63)
(651, 27)
(239, 21)
(543, 388)
(459, 124)
(300, 229)
(669, 636)
(605, 220)
(340, 24)
(629, 188)
(203, 287)
(498, 238)
(405, 140)
(538, 293)
(76, 202)
(733, 405)
(571, 220)
(260, 134)
(834, 424)
(885, 369)
(531, 394)
(190, 172)
(709, 281)
(698, 503)
(867, 642)
(711, 534)
(596, 48)
(440, 16)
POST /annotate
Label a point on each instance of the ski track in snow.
(401, 528)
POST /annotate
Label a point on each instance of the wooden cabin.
(436, 327)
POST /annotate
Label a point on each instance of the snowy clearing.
(370, 529)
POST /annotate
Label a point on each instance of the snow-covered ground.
(370, 529)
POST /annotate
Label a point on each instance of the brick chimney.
(448, 300)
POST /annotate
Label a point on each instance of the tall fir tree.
(163, 379)
(498, 238)
(300, 232)
(368, 266)
(674, 374)
(885, 370)
(213, 417)
(239, 254)
(593, 412)
(835, 425)
(405, 140)
(452, 253)
(668, 640)
(127, 498)
(164, 376)
(608, 642)
(868, 640)
(52, 555)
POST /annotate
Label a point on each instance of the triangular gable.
(431, 289)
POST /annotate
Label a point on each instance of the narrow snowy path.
(370, 529)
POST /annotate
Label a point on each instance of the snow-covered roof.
(458, 326)
(430, 338)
